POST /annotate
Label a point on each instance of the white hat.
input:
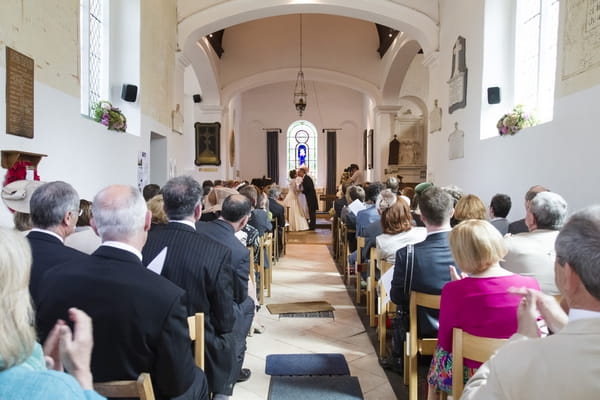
(16, 195)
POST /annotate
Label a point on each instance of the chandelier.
(300, 88)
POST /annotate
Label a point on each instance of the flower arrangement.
(110, 116)
(514, 121)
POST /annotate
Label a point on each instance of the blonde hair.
(476, 245)
(17, 335)
(156, 205)
(469, 207)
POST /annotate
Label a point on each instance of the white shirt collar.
(48, 233)
(123, 246)
(577, 314)
(185, 222)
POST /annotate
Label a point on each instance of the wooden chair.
(360, 243)
(475, 348)
(371, 289)
(416, 345)
(260, 270)
(341, 244)
(286, 229)
(384, 310)
(265, 251)
(347, 271)
(140, 388)
(275, 258)
(196, 327)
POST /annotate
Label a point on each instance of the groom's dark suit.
(308, 188)
(202, 267)
(139, 318)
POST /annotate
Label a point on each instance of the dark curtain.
(273, 155)
(331, 166)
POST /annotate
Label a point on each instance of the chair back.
(475, 348)
(140, 388)
(196, 328)
(371, 289)
(414, 344)
(360, 244)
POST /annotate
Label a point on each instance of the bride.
(296, 217)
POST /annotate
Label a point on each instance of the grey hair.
(118, 218)
(50, 202)
(578, 244)
(549, 210)
(181, 196)
(274, 191)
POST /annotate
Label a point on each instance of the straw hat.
(16, 195)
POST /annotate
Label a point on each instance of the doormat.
(300, 307)
(315, 388)
(316, 314)
(306, 364)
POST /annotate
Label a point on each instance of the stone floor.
(307, 272)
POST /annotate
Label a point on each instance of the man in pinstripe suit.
(202, 267)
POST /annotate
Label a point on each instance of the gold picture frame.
(208, 143)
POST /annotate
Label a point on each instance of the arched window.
(302, 146)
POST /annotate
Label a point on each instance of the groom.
(308, 188)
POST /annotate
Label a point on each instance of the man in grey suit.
(235, 213)
(202, 267)
(565, 364)
(499, 208)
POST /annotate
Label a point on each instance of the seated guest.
(16, 196)
(259, 218)
(214, 201)
(468, 207)
(479, 303)
(341, 200)
(393, 184)
(278, 212)
(519, 226)
(84, 238)
(235, 212)
(54, 210)
(532, 253)
(396, 226)
(150, 190)
(23, 371)
(414, 205)
(202, 267)
(140, 318)
(430, 260)
(156, 205)
(565, 364)
(348, 217)
(499, 208)
(369, 214)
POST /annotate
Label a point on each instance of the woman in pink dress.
(479, 303)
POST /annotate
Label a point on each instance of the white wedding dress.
(296, 219)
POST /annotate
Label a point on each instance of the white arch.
(288, 74)
(195, 23)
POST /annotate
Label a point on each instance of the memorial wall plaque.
(19, 94)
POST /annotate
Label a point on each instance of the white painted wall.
(561, 154)
(271, 106)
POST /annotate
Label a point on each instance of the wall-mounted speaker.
(129, 92)
(493, 95)
(197, 98)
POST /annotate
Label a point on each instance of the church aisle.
(308, 273)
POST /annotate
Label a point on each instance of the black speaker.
(493, 95)
(197, 98)
(129, 92)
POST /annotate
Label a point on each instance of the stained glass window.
(302, 147)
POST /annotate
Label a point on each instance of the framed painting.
(208, 143)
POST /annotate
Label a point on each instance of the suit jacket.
(532, 254)
(278, 212)
(430, 273)
(365, 217)
(501, 224)
(202, 267)
(47, 251)
(140, 320)
(371, 232)
(560, 366)
(222, 232)
(260, 220)
(308, 188)
(338, 204)
(518, 226)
